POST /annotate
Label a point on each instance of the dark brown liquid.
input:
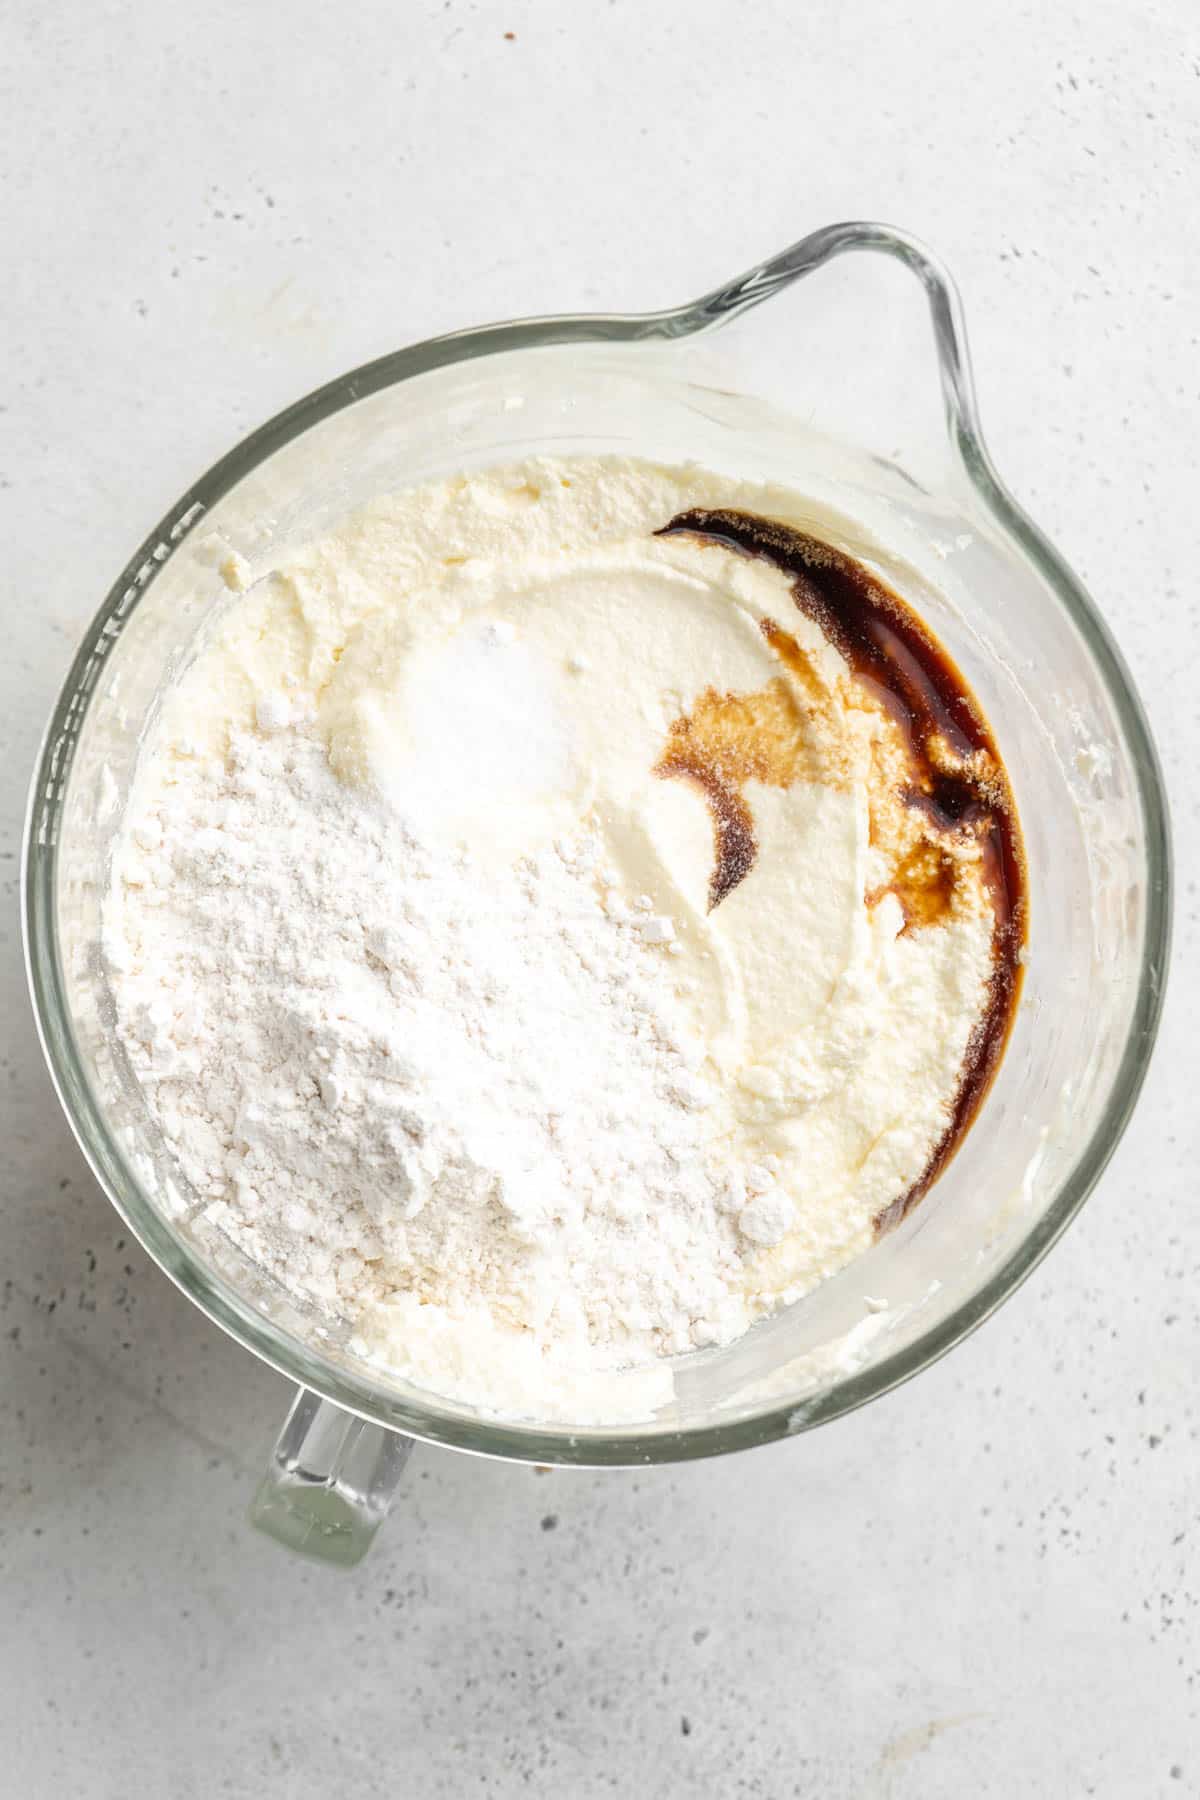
(725, 741)
(957, 780)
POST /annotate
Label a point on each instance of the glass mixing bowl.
(842, 394)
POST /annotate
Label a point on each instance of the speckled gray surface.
(985, 1585)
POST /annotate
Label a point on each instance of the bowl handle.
(329, 1482)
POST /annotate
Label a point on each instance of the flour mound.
(399, 1080)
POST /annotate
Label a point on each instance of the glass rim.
(432, 1420)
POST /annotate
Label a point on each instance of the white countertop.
(984, 1585)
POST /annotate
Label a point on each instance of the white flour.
(390, 1072)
